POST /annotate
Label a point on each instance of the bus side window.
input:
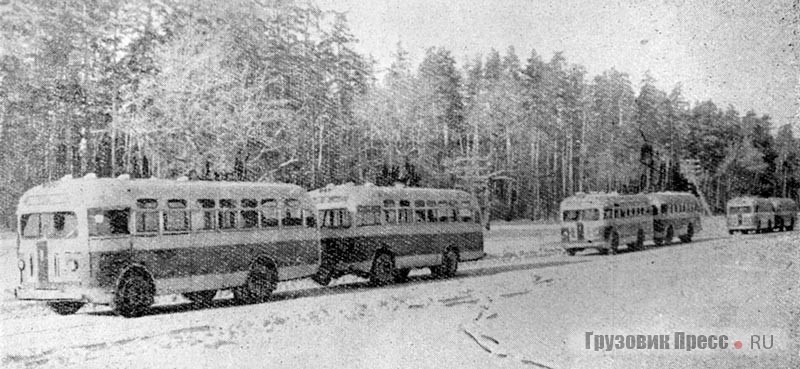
(655, 210)
(465, 215)
(404, 214)
(419, 211)
(107, 222)
(432, 211)
(269, 213)
(444, 209)
(292, 217)
(176, 218)
(206, 219)
(147, 218)
(227, 214)
(249, 213)
(389, 212)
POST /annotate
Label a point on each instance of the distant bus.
(604, 221)
(674, 214)
(382, 233)
(785, 213)
(121, 242)
(750, 214)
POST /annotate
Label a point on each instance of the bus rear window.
(108, 222)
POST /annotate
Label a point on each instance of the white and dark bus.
(121, 242)
(382, 233)
(604, 221)
(674, 214)
(750, 214)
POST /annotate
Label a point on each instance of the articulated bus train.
(382, 233)
(755, 214)
(121, 242)
(604, 221)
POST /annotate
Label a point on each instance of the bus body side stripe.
(210, 260)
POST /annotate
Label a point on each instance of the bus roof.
(658, 198)
(350, 196)
(603, 200)
(747, 201)
(783, 203)
(87, 192)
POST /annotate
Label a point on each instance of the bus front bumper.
(64, 293)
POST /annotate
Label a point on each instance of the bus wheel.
(571, 252)
(135, 293)
(261, 282)
(202, 298)
(791, 226)
(401, 275)
(689, 233)
(670, 236)
(639, 245)
(382, 269)
(769, 227)
(323, 277)
(614, 243)
(449, 265)
(65, 307)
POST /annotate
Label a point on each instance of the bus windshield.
(584, 214)
(50, 225)
(733, 210)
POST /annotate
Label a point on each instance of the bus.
(674, 214)
(382, 233)
(785, 213)
(750, 214)
(121, 241)
(604, 221)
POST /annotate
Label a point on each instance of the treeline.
(272, 90)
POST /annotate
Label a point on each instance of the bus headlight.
(21, 264)
(73, 265)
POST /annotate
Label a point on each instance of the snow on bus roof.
(92, 191)
(341, 195)
(747, 200)
(602, 199)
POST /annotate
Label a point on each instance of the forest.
(259, 90)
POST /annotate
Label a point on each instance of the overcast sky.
(732, 52)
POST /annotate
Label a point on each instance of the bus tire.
(613, 243)
(791, 226)
(689, 234)
(261, 282)
(449, 266)
(135, 293)
(323, 277)
(660, 241)
(401, 275)
(571, 252)
(65, 307)
(670, 236)
(639, 244)
(382, 271)
(202, 298)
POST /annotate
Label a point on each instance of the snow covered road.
(526, 305)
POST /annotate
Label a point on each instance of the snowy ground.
(526, 305)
